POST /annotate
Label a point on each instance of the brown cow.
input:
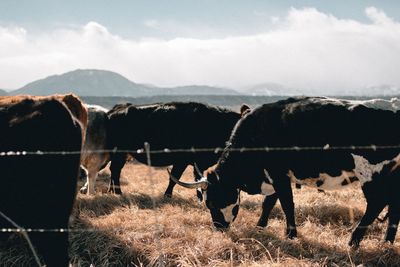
(93, 160)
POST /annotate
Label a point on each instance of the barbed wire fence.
(148, 153)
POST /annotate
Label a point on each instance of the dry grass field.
(141, 228)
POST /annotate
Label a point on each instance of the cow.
(74, 104)
(94, 153)
(392, 104)
(39, 189)
(333, 144)
(175, 125)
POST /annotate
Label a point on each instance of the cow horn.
(197, 170)
(202, 183)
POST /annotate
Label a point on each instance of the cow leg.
(372, 212)
(268, 204)
(53, 247)
(284, 192)
(117, 163)
(394, 218)
(91, 182)
(197, 177)
(88, 188)
(394, 205)
(176, 172)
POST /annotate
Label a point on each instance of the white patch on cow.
(326, 181)
(227, 212)
(267, 189)
(364, 170)
(204, 196)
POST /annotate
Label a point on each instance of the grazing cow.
(39, 190)
(308, 123)
(96, 140)
(171, 125)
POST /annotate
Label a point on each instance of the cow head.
(221, 199)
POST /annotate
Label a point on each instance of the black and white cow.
(305, 123)
(173, 125)
(94, 155)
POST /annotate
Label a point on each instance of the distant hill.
(85, 83)
(107, 83)
(2, 92)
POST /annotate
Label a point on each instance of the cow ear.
(244, 109)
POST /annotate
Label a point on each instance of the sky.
(327, 46)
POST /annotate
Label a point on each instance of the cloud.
(306, 49)
(151, 23)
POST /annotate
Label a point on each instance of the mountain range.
(92, 82)
(103, 83)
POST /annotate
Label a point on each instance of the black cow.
(171, 125)
(38, 191)
(306, 123)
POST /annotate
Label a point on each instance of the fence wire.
(148, 152)
(215, 150)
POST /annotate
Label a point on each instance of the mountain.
(2, 92)
(85, 83)
(92, 82)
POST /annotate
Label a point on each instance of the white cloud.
(305, 49)
(378, 16)
(152, 23)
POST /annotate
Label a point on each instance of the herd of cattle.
(335, 143)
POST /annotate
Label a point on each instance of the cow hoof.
(118, 191)
(167, 196)
(260, 228)
(114, 190)
(221, 228)
(354, 243)
(291, 233)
